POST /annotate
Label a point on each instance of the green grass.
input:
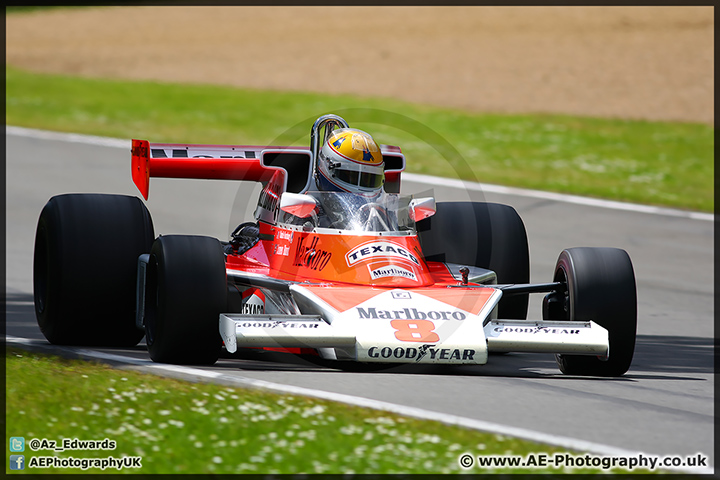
(182, 427)
(660, 163)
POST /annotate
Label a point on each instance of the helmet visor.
(361, 179)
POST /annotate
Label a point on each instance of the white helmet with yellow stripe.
(350, 161)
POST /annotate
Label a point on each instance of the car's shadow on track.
(675, 355)
(656, 356)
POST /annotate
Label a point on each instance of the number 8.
(415, 330)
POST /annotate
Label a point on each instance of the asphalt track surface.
(664, 405)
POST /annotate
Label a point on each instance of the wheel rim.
(562, 277)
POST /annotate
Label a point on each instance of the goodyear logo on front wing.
(534, 330)
(357, 146)
(379, 249)
(427, 352)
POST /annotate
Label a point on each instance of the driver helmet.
(350, 161)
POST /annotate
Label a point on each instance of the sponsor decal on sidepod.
(253, 302)
(310, 256)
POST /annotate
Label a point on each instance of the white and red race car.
(395, 279)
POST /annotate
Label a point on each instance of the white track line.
(557, 197)
(412, 177)
(189, 373)
(68, 137)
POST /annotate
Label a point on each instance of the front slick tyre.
(186, 290)
(601, 288)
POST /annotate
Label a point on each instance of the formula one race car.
(349, 277)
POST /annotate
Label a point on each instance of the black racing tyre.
(485, 235)
(601, 288)
(85, 268)
(186, 291)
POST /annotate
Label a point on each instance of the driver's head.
(350, 161)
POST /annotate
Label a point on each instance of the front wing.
(429, 325)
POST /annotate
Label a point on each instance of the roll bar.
(330, 122)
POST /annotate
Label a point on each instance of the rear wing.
(293, 165)
(219, 162)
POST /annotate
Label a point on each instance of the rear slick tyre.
(186, 291)
(601, 288)
(85, 268)
(485, 235)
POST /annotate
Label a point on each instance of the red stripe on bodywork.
(471, 300)
(468, 299)
(345, 298)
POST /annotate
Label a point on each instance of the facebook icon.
(17, 462)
